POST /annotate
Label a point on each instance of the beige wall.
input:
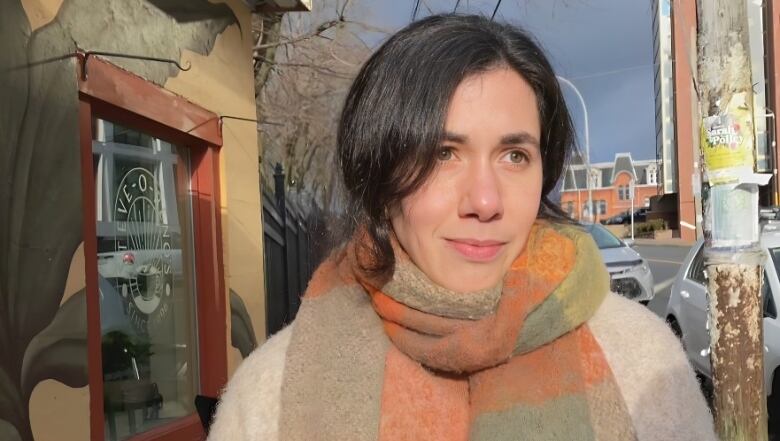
(59, 412)
(41, 12)
(223, 82)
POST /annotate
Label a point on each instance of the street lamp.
(587, 144)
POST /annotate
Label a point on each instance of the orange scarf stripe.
(392, 311)
(419, 406)
(572, 365)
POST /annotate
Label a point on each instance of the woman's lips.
(477, 250)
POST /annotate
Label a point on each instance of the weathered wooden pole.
(733, 257)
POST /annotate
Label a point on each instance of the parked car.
(618, 219)
(686, 314)
(624, 218)
(629, 273)
(640, 215)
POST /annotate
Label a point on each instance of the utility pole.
(732, 254)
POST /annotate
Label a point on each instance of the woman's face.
(465, 226)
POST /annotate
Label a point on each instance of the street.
(664, 261)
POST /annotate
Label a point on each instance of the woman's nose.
(481, 196)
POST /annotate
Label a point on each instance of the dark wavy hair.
(393, 118)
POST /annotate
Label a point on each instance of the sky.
(604, 47)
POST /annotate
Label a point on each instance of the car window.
(603, 238)
(696, 270)
(770, 310)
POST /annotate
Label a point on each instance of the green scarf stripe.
(598, 414)
(574, 301)
(564, 418)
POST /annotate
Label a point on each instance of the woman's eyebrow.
(520, 138)
(510, 138)
(455, 137)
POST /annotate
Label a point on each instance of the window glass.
(696, 270)
(770, 308)
(603, 238)
(145, 278)
(766, 299)
(622, 192)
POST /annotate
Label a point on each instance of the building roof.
(574, 176)
(623, 163)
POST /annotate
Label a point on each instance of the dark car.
(618, 219)
(640, 215)
(624, 218)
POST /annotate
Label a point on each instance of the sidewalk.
(675, 242)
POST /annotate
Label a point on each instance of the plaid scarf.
(404, 359)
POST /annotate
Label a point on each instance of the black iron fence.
(288, 255)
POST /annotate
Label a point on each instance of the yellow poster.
(727, 144)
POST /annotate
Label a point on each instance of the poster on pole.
(727, 143)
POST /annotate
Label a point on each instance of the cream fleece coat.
(656, 380)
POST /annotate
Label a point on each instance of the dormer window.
(652, 174)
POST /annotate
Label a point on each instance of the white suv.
(629, 274)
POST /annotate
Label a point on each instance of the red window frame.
(115, 94)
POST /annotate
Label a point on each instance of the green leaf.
(242, 333)
(8, 432)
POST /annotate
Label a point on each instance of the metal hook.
(87, 54)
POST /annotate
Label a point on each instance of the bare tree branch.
(316, 33)
(300, 93)
(321, 69)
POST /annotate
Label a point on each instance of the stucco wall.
(228, 72)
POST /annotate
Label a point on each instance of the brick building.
(610, 183)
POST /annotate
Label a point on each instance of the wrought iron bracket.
(86, 54)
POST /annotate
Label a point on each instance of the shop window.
(145, 259)
(602, 207)
(152, 244)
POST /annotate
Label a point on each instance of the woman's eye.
(516, 156)
(445, 154)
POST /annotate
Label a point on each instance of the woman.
(466, 306)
